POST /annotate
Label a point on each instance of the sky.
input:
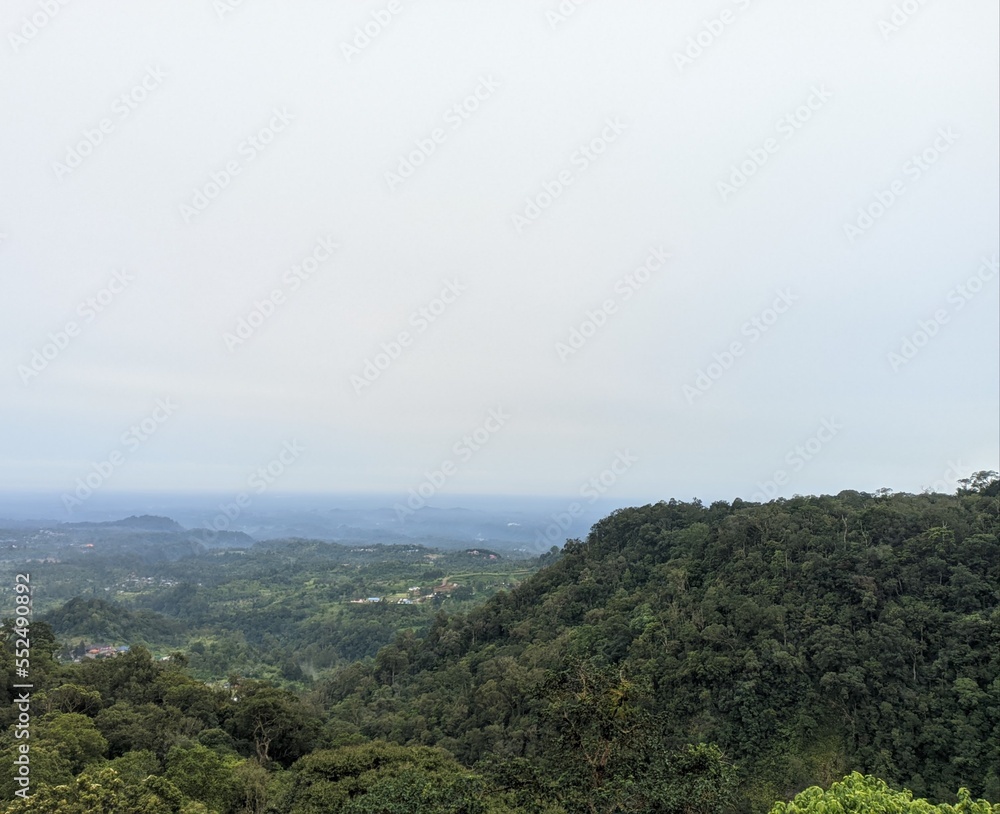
(624, 251)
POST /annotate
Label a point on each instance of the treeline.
(136, 735)
(684, 659)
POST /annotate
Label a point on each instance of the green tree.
(273, 722)
(128, 727)
(202, 774)
(47, 768)
(859, 794)
(70, 698)
(101, 794)
(72, 736)
(695, 780)
(384, 778)
(132, 767)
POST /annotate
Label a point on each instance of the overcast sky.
(708, 249)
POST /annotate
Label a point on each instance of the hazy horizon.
(682, 250)
(14, 503)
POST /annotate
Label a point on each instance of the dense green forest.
(283, 610)
(834, 653)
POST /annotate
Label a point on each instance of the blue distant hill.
(147, 522)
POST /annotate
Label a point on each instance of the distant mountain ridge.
(146, 522)
(527, 524)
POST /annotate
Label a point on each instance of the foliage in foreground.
(857, 794)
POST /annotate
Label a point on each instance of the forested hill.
(804, 638)
(684, 659)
